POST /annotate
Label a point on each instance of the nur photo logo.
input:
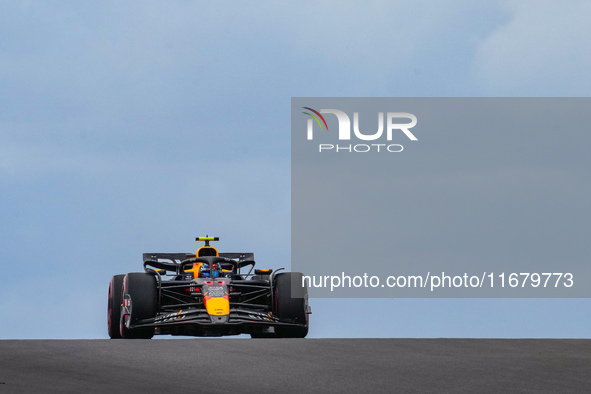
(391, 125)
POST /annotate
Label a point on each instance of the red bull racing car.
(207, 294)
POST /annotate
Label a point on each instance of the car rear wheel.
(140, 289)
(291, 306)
(114, 306)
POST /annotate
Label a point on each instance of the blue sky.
(133, 127)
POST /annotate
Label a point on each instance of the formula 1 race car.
(207, 294)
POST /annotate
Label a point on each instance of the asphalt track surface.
(296, 366)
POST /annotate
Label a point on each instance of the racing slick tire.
(141, 289)
(114, 306)
(290, 308)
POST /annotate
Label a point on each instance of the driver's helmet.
(216, 270)
(206, 272)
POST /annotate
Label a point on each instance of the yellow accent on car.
(199, 254)
(218, 306)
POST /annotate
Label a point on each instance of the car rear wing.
(170, 261)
